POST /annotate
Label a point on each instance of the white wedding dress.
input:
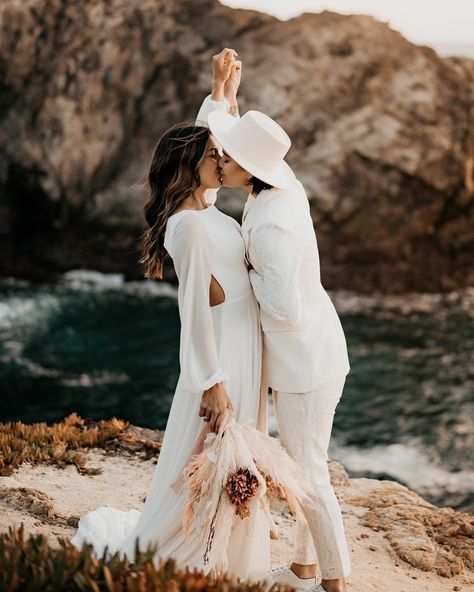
(217, 343)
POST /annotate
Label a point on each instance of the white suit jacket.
(304, 343)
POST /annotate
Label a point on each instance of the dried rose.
(241, 487)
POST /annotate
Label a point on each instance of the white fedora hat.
(257, 143)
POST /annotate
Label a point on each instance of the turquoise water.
(99, 346)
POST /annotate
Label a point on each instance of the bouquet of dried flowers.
(232, 474)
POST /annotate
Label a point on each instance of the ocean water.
(102, 347)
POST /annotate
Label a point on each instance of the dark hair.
(258, 185)
(173, 176)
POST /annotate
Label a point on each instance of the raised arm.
(231, 88)
(276, 253)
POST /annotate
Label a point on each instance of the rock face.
(426, 537)
(383, 133)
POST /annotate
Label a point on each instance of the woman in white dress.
(220, 350)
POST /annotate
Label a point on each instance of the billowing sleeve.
(190, 250)
(276, 253)
(210, 105)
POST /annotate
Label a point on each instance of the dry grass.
(60, 443)
(31, 565)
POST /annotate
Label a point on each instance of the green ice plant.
(60, 443)
(32, 565)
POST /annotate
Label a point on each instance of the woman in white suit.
(305, 355)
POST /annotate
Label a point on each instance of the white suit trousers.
(305, 422)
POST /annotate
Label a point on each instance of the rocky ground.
(398, 541)
(383, 133)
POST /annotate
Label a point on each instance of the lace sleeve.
(276, 253)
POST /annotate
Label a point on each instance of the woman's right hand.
(215, 403)
(231, 87)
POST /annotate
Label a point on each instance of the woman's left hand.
(232, 84)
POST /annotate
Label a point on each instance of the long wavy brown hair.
(173, 176)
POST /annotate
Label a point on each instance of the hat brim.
(221, 124)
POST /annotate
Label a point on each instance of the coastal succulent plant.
(63, 443)
(29, 564)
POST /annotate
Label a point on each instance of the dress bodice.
(204, 244)
(226, 247)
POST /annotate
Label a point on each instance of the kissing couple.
(254, 315)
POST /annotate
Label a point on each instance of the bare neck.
(197, 200)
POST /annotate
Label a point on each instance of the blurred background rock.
(382, 129)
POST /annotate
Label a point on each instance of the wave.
(95, 379)
(13, 354)
(406, 463)
(24, 304)
(85, 280)
(24, 310)
(348, 302)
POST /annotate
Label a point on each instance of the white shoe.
(287, 577)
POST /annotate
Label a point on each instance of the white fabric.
(199, 361)
(214, 340)
(304, 343)
(284, 576)
(279, 253)
(305, 422)
(207, 107)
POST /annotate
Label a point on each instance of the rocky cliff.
(383, 133)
